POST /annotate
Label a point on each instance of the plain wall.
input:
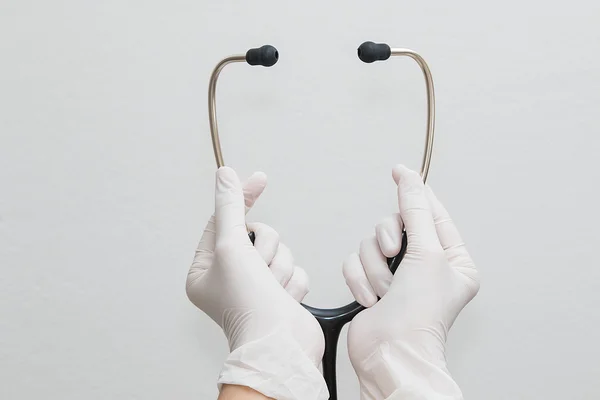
(107, 175)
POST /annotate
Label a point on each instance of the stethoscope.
(331, 320)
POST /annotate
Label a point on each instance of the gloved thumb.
(230, 209)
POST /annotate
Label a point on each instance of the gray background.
(106, 179)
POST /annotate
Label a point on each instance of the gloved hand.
(397, 345)
(253, 294)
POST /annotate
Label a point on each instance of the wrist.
(236, 392)
(399, 370)
(275, 366)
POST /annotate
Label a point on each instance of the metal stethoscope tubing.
(331, 320)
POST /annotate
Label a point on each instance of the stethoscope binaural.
(331, 320)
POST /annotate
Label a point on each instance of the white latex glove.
(253, 294)
(397, 345)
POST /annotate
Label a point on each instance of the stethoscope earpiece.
(331, 320)
(266, 56)
(369, 52)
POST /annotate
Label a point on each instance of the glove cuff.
(275, 366)
(397, 371)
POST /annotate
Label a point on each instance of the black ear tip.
(266, 56)
(364, 47)
(369, 52)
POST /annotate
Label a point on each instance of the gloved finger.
(357, 281)
(298, 285)
(253, 187)
(450, 239)
(230, 209)
(375, 266)
(389, 235)
(266, 242)
(282, 265)
(415, 210)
